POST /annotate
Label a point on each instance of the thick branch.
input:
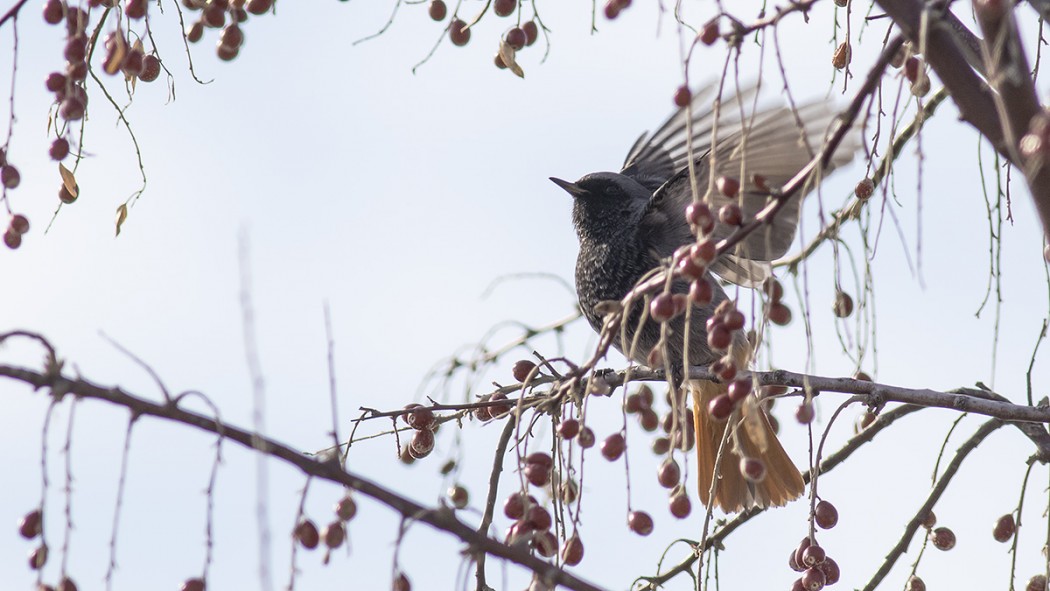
(441, 518)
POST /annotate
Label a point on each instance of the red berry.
(649, 420)
(31, 524)
(793, 562)
(830, 568)
(640, 523)
(680, 505)
(779, 314)
(813, 555)
(929, 520)
(730, 214)
(569, 428)
(612, 9)
(193, 585)
(438, 10)
(709, 34)
(19, 224)
(545, 543)
(689, 269)
(66, 584)
(514, 506)
(753, 469)
(669, 474)
(739, 389)
(699, 215)
(9, 176)
(572, 552)
(700, 292)
(516, 38)
(720, 407)
(346, 508)
(258, 7)
(864, 189)
(682, 96)
(911, 68)
(532, 32)
(804, 413)
(825, 515)
(538, 517)
(915, 584)
(307, 535)
(232, 36)
(719, 338)
(504, 7)
(734, 319)
(843, 305)
(422, 444)
(401, 583)
(773, 290)
(1036, 583)
(418, 417)
(586, 438)
(522, 369)
(728, 186)
(613, 446)
(53, 12)
(458, 33)
(333, 534)
(537, 475)
(813, 579)
(150, 68)
(135, 9)
(942, 538)
(56, 82)
(703, 251)
(662, 307)
(1004, 528)
(661, 445)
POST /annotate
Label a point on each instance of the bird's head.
(605, 204)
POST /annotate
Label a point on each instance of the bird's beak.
(572, 188)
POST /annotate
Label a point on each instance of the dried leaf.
(115, 53)
(506, 53)
(69, 180)
(122, 214)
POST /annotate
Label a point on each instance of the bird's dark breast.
(607, 271)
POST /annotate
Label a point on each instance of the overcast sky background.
(397, 198)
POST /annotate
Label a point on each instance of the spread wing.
(771, 143)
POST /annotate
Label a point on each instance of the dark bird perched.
(630, 223)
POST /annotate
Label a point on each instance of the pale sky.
(397, 198)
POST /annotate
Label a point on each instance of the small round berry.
(929, 520)
(193, 585)
(773, 290)
(734, 319)
(752, 469)
(458, 33)
(701, 292)
(19, 224)
(232, 35)
(53, 12)
(640, 523)
(613, 446)
(586, 438)
(346, 508)
(333, 534)
(804, 413)
(55, 82)
(195, 32)
(1036, 583)
(703, 251)
(915, 584)
(225, 52)
(805, 543)
(504, 7)
(135, 9)
(537, 475)
(572, 551)
(793, 562)
(662, 307)
(689, 269)
(843, 305)
(813, 579)
(401, 583)
(719, 337)
(865, 189)
(669, 474)
(1004, 528)
(9, 176)
(612, 9)
(539, 518)
(418, 416)
(725, 368)
(522, 370)
(38, 557)
(307, 535)
(813, 555)
(545, 543)
(150, 68)
(66, 584)
(680, 505)
(825, 515)
(682, 96)
(569, 428)
(258, 7)
(699, 215)
(514, 506)
(912, 65)
(942, 538)
(498, 411)
(532, 32)
(422, 444)
(570, 491)
(438, 11)
(709, 34)
(72, 109)
(730, 214)
(516, 38)
(830, 568)
(779, 314)
(728, 186)
(739, 389)
(31, 524)
(649, 420)
(841, 58)
(633, 403)
(661, 445)
(720, 407)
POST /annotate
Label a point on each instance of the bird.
(633, 222)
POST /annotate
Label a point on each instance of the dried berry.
(333, 534)
(307, 535)
(458, 33)
(346, 508)
(640, 523)
(843, 305)
(504, 7)
(572, 551)
(680, 504)
(438, 11)
(613, 446)
(586, 438)
(193, 585)
(728, 186)
(532, 32)
(825, 515)
(720, 407)
(569, 428)
(1004, 528)
(709, 34)
(942, 538)
(682, 96)
(669, 474)
(31, 524)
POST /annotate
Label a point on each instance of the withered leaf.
(69, 180)
(506, 53)
(122, 214)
